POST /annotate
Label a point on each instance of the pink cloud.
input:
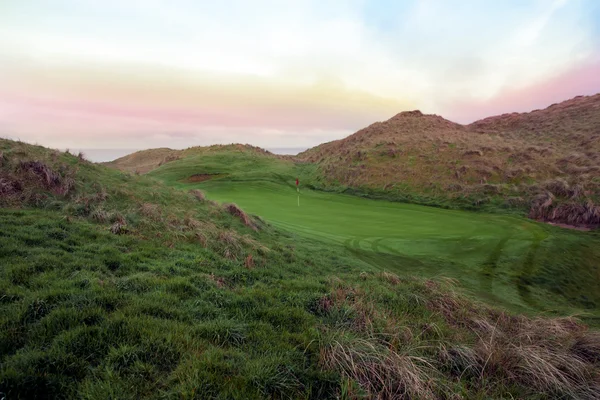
(283, 113)
(581, 80)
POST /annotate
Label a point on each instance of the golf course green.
(502, 259)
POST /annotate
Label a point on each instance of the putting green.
(485, 252)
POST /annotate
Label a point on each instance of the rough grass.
(234, 210)
(455, 347)
(123, 203)
(86, 313)
(151, 313)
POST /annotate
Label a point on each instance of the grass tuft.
(234, 210)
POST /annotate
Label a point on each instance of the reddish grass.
(198, 194)
(234, 210)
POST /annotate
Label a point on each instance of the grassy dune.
(121, 286)
(545, 163)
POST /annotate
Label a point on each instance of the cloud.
(193, 67)
(579, 80)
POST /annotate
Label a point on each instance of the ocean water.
(287, 150)
(102, 155)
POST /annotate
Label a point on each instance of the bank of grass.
(184, 300)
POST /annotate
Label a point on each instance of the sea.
(103, 155)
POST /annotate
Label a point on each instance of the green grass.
(86, 313)
(171, 307)
(503, 259)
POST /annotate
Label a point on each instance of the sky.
(134, 74)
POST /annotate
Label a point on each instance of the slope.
(113, 285)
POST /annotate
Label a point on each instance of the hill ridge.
(545, 161)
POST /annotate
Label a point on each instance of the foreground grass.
(113, 286)
(88, 314)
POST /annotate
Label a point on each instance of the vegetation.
(118, 286)
(503, 259)
(545, 163)
(144, 161)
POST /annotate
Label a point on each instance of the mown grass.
(504, 259)
(171, 306)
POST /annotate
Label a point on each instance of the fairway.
(403, 238)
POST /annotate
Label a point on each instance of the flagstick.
(298, 200)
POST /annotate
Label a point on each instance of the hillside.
(546, 161)
(144, 161)
(572, 123)
(117, 285)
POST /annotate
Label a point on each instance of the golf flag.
(297, 182)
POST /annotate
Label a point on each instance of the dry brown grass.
(9, 186)
(537, 353)
(142, 162)
(25, 181)
(555, 356)
(394, 355)
(192, 222)
(587, 347)
(100, 215)
(236, 211)
(231, 246)
(50, 179)
(198, 194)
(219, 281)
(383, 373)
(391, 278)
(152, 211)
(249, 262)
(119, 228)
(581, 214)
(368, 351)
